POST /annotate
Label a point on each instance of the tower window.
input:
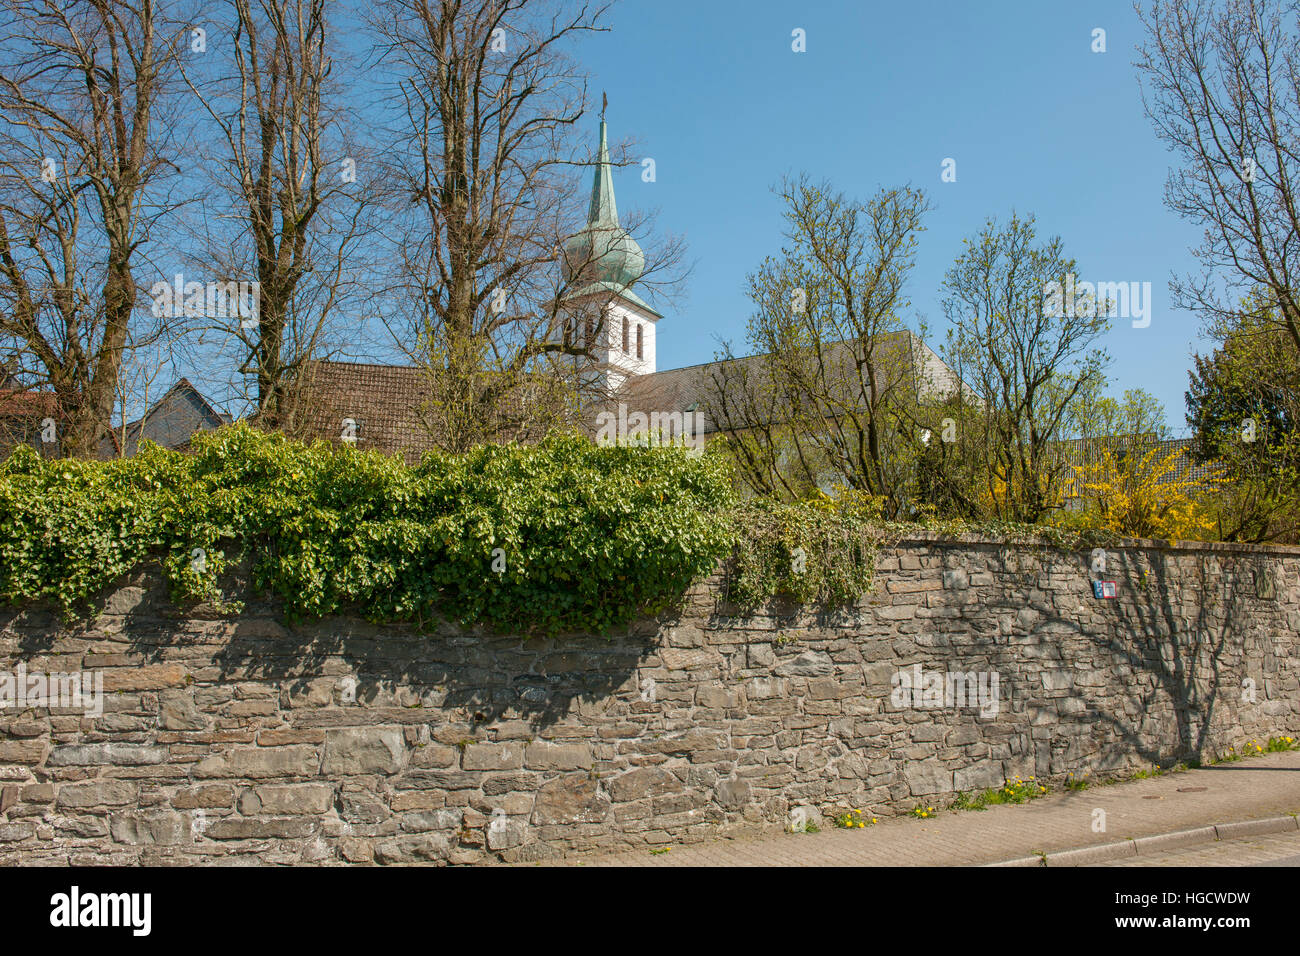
(626, 328)
(640, 342)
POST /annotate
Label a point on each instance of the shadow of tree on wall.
(1178, 636)
(1180, 628)
(461, 675)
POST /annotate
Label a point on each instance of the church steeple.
(602, 265)
(603, 253)
(603, 209)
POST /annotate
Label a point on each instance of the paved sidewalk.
(1250, 789)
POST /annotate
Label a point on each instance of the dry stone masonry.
(248, 739)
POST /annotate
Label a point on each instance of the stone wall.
(249, 739)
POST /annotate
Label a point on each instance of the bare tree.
(834, 365)
(1224, 94)
(486, 294)
(148, 372)
(83, 141)
(295, 186)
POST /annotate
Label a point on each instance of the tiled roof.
(673, 390)
(170, 421)
(386, 401)
(22, 412)
(25, 402)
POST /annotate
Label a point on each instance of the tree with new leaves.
(820, 403)
(1025, 359)
(1243, 404)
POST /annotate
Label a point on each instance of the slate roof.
(20, 402)
(21, 413)
(171, 421)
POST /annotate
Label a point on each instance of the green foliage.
(588, 536)
(821, 398)
(1012, 791)
(817, 551)
(1243, 402)
(1026, 353)
(853, 820)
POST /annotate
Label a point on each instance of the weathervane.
(604, 104)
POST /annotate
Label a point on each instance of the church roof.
(685, 389)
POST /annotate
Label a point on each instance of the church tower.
(610, 262)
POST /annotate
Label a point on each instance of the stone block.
(573, 798)
(354, 750)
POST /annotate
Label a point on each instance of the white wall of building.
(621, 363)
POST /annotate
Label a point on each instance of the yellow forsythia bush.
(1145, 496)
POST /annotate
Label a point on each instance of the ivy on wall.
(819, 551)
(564, 535)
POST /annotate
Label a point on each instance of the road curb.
(1105, 852)
(1092, 854)
(1232, 831)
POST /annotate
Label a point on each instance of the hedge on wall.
(818, 551)
(565, 535)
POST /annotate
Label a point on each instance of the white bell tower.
(611, 262)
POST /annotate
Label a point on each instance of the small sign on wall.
(1103, 589)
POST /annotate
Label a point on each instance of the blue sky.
(1011, 90)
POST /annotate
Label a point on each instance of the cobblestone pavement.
(1255, 788)
(1277, 849)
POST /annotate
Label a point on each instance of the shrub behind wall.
(565, 535)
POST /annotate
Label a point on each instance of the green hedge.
(589, 536)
